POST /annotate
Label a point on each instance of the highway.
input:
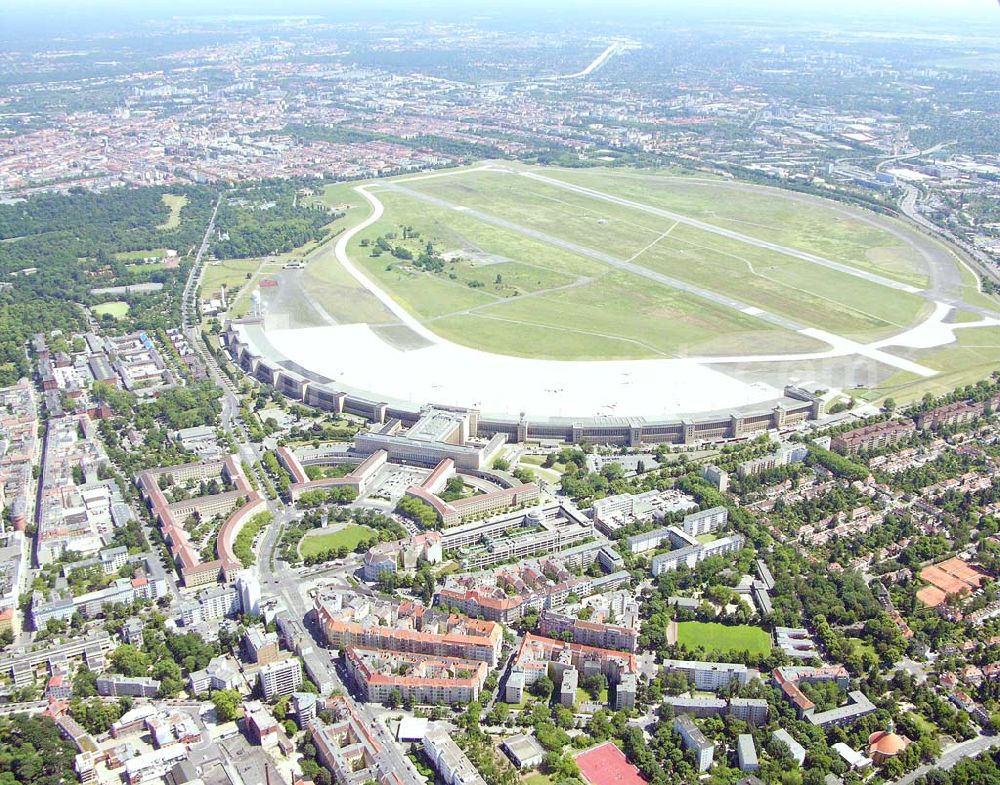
(984, 266)
(192, 331)
(616, 48)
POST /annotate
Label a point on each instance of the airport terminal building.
(796, 405)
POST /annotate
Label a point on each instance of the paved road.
(983, 264)
(390, 758)
(193, 283)
(615, 48)
(948, 759)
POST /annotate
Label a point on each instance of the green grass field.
(582, 696)
(231, 272)
(805, 223)
(527, 274)
(329, 283)
(782, 284)
(924, 724)
(176, 203)
(116, 308)
(722, 638)
(526, 270)
(348, 537)
(974, 355)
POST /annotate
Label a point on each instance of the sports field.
(721, 638)
(522, 266)
(348, 537)
(117, 309)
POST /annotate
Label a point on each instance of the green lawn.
(116, 308)
(921, 722)
(723, 638)
(329, 283)
(234, 273)
(582, 696)
(176, 203)
(759, 277)
(537, 778)
(348, 537)
(803, 222)
(547, 292)
(863, 646)
(973, 356)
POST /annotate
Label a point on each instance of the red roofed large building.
(172, 516)
(566, 664)
(411, 630)
(419, 678)
(872, 437)
(482, 504)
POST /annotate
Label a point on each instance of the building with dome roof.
(885, 744)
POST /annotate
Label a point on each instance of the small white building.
(524, 750)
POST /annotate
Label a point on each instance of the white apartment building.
(280, 678)
(709, 676)
(448, 759)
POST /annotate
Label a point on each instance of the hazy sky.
(331, 7)
(53, 18)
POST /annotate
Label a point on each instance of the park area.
(546, 279)
(348, 537)
(722, 638)
(536, 265)
(176, 203)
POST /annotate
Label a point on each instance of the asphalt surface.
(948, 759)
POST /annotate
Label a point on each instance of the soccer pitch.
(533, 269)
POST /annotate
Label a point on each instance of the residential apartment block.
(872, 437)
(538, 657)
(407, 628)
(695, 741)
(418, 678)
(448, 759)
(282, 677)
(605, 636)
